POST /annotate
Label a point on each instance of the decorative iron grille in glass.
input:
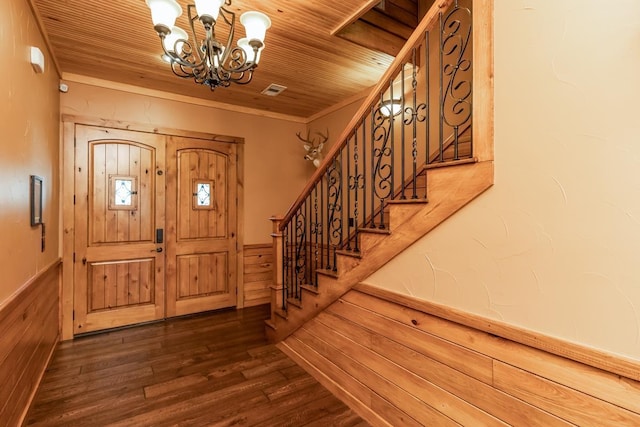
(203, 194)
(123, 192)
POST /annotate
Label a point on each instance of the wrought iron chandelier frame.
(207, 60)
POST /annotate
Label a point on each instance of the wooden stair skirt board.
(400, 361)
(29, 333)
(449, 189)
(257, 274)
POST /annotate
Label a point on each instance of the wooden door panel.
(201, 225)
(119, 284)
(202, 274)
(110, 161)
(201, 222)
(119, 268)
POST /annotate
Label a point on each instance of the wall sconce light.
(391, 107)
(37, 59)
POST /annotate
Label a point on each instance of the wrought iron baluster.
(427, 97)
(392, 143)
(441, 118)
(414, 140)
(322, 224)
(334, 205)
(382, 156)
(415, 113)
(373, 180)
(456, 107)
(349, 224)
(316, 230)
(364, 171)
(301, 251)
(290, 268)
(402, 150)
(356, 184)
(285, 266)
(344, 213)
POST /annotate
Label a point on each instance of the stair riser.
(369, 240)
(399, 213)
(346, 262)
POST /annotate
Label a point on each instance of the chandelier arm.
(187, 51)
(225, 13)
(193, 17)
(239, 62)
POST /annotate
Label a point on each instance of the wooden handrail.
(427, 22)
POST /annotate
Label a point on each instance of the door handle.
(157, 250)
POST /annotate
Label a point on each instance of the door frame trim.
(67, 160)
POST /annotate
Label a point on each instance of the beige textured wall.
(29, 117)
(275, 171)
(335, 122)
(554, 246)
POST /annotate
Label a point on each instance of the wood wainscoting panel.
(258, 274)
(436, 366)
(28, 335)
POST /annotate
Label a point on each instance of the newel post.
(277, 286)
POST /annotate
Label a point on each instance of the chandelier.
(206, 59)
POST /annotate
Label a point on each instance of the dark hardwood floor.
(215, 369)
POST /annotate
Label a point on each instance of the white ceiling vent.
(274, 90)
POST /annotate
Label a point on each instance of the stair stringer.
(449, 189)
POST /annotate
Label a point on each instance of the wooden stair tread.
(407, 201)
(310, 288)
(280, 312)
(296, 302)
(451, 163)
(270, 324)
(349, 253)
(374, 230)
(326, 272)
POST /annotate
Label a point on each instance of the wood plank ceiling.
(115, 41)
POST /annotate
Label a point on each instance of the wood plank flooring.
(215, 369)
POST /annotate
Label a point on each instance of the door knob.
(156, 250)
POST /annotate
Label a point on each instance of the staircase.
(416, 151)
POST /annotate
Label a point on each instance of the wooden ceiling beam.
(369, 36)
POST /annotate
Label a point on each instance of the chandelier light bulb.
(164, 14)
(255, 25)
(208, 8)
(243, 43)
(172, 38)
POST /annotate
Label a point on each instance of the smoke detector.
(274, 90)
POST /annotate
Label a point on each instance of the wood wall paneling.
(431, 370)
(28, 335)
(258, 274)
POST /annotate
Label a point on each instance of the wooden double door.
(155, 227)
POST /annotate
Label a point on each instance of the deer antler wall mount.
(313, 146)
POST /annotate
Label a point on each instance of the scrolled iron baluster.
(364, 170)
(382, 168)
(334, 207)
(348, 242)
(286, 265)
(316, 233)
(456, 107)
(414, 114)
(356, 183)
(300, 250)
